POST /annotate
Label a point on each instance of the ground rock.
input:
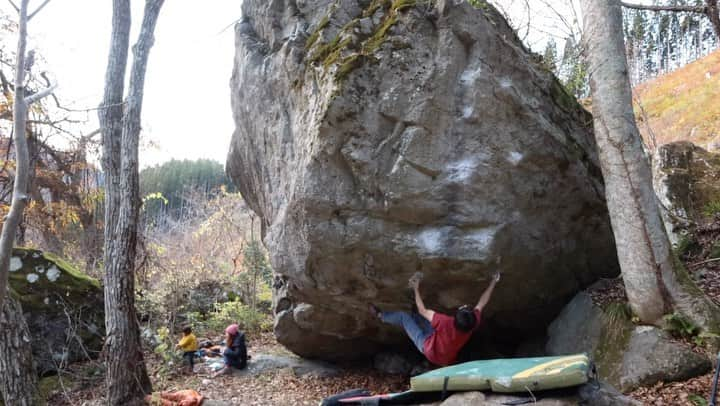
(626, 356)
(210, 402)
(577, 328)
(651, 357)
(263, 363)
(63, 307)
(596, 393)
(435, 143)
(685, 178)
(593, 393)
(393, 363)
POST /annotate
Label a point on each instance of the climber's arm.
(485, 298)
(425, 312)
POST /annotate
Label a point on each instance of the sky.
(186, 112)
(186, 108)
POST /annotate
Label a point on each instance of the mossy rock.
(626, 355)
(686, 181)
(63, 307)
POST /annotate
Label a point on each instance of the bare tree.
(19, 382)
(127, 378)
(655, 280)
(710, 10)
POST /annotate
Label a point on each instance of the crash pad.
(507, 375)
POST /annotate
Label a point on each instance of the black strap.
(713, 393)
(443, 396)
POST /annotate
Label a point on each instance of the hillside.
(682, 105)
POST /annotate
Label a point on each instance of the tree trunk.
(22, 164)
(713, 14)
(655, 280)
(19, 380)
(127, 378)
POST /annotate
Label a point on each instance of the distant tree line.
(164, 187)
(656, 42)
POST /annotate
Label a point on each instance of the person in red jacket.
(438, 336)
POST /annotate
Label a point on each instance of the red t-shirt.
(444, 344)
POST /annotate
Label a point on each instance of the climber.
(438, 336)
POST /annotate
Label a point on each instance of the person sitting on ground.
(235, 354)
(189, 345)
(438, 336)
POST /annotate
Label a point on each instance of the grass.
(682, 105)
(617, 315)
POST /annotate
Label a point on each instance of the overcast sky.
(186, 112)
(186, 109)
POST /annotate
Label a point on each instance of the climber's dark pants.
(189, 356)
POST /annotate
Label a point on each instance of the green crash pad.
(507, 375)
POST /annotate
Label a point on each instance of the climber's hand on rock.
(496, 277)
(414, 281)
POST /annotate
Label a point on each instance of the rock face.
(64, 308)
(687, 182)
(651, 357)
(380, 138)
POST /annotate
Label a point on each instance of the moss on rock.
(54, 294)
(611, 347)
(339, 53)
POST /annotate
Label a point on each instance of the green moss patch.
(316, 33)
(43, 278)
(347, 51)
(617, 330)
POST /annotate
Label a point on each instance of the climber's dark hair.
(187, 330)
(465, 319)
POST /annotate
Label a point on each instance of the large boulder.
(63, 308)
(687, 182)
(380, 138)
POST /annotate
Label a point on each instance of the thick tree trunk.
(655, 280)
(19, 380)
(127, 378)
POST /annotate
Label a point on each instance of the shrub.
(687, 246)
(712, 209)
(680, 326)
(227, 313)
(166, 349)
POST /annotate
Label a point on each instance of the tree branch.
(37, 10)
(39, 95)
(14, 6)
(687, 9)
